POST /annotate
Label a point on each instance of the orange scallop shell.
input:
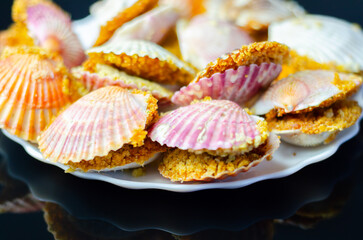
(98, 123)
(31, 93)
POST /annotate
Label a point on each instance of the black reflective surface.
(322, 201)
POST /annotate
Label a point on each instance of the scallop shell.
(253, 14)
(109, 76)
(202, 40)
(51, 29)
(105, 10)
(187, 8)
(30, 91)
(124, 16)
(210, 169)
(144, 59)
(151, 26)
(296, 137)
(305, 90)
(324, 39)
(239, 85)
(217, 125)
(96, 124)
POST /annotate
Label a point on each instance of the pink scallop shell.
(209, 125)
(203, 40)
(93, 81)
(302, 90)
(239, 85)
(52, 29)
(96, 124)
(150, 26)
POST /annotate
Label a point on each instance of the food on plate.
(104, 130)
(211, 139)
(32, 90)
(310, 107)
(143, 59)
(238, 76)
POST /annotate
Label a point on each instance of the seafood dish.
(204, 90)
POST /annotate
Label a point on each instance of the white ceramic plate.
(287, 160)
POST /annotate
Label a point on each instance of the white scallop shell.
(202, 40)
(296, 137)
(105, 10)
(322, 38)
(141, 48)
(150, 26)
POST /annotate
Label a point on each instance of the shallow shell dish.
(238, 76)
(187, 8)
(217, 126)
(324, 39)
(108, 76)
(31, 93)
(306, 90)
(51, 28)
(103, 121)
(124, 16)
(151, 26)
(144, 59)
(19, 8)
(202, 40)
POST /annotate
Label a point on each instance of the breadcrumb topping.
(140, 7)
(125, 155)
(299, 63)
(255, 53)
(15, 35)
(145, 67)
(181, 165)
(339, 116)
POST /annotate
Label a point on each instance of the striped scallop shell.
(322, 38)
(108, 76)
(105, 10)
(52, 29)
(151, 26)
(202, 40)
(96, 124)
(30, 92)
(24, 204)
(306, 89)
(217, 125)
(142, 49)
(239, 85)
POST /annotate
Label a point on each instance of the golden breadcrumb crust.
(255, 53)
(140, 7)
(145, 67)
(181, 165)
(19, 9)
(15, 35)
(125, 155)
(299, 63)
(339, 116)
(347, 87)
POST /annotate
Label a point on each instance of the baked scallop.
(104, 130)
(211, 140)
(143, 59)
(309, 108)
(238, 76)
(322, 38)
(105, 75)
(32, 83)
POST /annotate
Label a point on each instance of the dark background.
(32, 226)
(350, 10)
